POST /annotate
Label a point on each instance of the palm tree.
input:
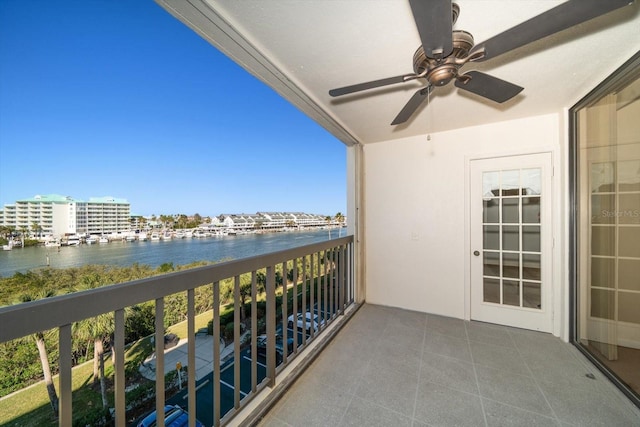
(339, 217)
(99, 330)
(42, 350)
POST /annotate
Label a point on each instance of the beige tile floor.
(392, 367)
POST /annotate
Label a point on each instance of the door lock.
(476, 253)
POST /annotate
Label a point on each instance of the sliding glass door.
(607, 132)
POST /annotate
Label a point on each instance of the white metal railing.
(327, 288)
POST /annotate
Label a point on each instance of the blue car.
(174, 416)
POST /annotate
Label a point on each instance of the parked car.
(174, 416)
(261, 347)
(309, 323)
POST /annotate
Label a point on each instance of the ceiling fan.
(444, 51)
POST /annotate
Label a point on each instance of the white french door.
(511, 241)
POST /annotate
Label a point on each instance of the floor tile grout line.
(415, 399)
(475, 373)
(535, 380)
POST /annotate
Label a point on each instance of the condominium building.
(57, 215)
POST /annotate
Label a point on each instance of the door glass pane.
(531, 266)
(490, 211)
(531, 295)
(602, 301)
(629, 211)
(531, 238)
(510, 183)
(490, 184)
(491, 264)
(511, 265)
(511, 293)
(511, 211)
(491, 237)
(628, 274)
(532, 181)
(603, 208)
(491, 290)
(603, 240)
(510, 238)
(531, 210)
(602, 272)
(602, 177)
(629, 238)
(629, 175)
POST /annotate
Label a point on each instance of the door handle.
(476, 253)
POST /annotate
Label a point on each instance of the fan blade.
(416, 100)
(435, 25)
(368, 85)
(561, 17)
(488, 86)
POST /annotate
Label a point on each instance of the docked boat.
(7, 247)
(155, 237)
(52, 244)
(91, 240)
(103, 240)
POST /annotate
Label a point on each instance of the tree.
(339, 217)
(42, 351)
(99, 330)
(245, 292)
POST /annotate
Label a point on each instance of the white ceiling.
(305, 48)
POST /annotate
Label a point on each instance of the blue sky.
(118, 98)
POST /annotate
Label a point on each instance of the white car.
(309, 323)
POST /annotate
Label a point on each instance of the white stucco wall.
(415, 201)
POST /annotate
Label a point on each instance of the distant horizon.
(121, 98)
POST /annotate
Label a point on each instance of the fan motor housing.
(442, 71)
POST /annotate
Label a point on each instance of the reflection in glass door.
(510, 209)
(608, 227)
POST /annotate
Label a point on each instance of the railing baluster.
(285, 335)
(191, 357)
(319, 293)
(311, 299)
(294, 311)
(271, 326)
(325, 295)
(118, 348)
(236, 341)
(304, 301)
(159, 337)
(331, 283)
(216, 354)
(341, 268)
(65, 414)
(254, 332)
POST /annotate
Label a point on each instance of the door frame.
(559, 215)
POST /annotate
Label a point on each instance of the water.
(176, 251)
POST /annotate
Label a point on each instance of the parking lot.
(204, 386)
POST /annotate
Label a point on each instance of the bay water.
(155, 253)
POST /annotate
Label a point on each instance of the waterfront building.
(56, 215)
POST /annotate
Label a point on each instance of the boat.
(155, 237)
(103, 240)
(52, 244)
(142, 237)
(91, 240)
(7, 247)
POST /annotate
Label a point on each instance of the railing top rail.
(20, 320)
